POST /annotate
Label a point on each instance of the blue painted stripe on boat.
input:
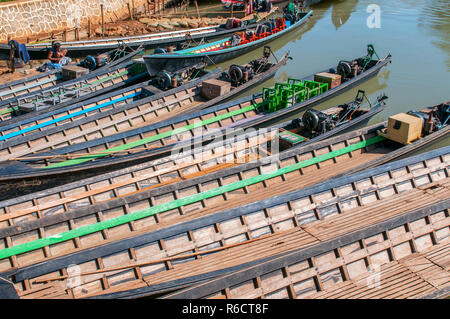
(207, 45)
(35, 127)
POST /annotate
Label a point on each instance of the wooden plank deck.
(414, 276)
(407, 260)
(393, 184)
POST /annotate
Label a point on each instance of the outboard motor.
(344, 69)
(93, 63)
(163, 80)
(239, 74)
(316, 121)
(89, 63)
(233, 23)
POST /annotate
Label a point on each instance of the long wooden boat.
(160, 105)
(153, 40)
(29, 84)
(48, 79)
(109, 263)
(221, 50)
(160, 138)
(74, 91)
(240, 3)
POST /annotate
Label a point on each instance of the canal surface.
(415, 32)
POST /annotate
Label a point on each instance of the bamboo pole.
(129, 11)
(196, 8)
(11, 58)
(89, 28)
(103, 20)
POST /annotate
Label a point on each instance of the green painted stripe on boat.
(107, 78)
(153, 138)
(89, 229)
(8, 110)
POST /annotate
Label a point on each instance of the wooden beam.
(103, 20)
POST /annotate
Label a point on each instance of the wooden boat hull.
(173, 61)
(78, 49)
(435, 160)
(44, 84)
(22, 170)
(33, 83)
(29, 83)
(72, 91)
(145, 109)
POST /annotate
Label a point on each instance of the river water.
(415, 32)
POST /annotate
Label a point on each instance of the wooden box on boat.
(404, 128)
(287, 139)
(214, 88)
(150, 90)
(333, 80)
(70, 72)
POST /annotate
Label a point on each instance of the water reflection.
(435, 17)
(342, 9)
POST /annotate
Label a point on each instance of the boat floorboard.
(410, 277)
(302, 237)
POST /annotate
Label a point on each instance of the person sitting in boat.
(290, 12)
(57, 55)
(235, 39)
(264, 6)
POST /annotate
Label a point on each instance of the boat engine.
(316, 121)
(93, 63)
(430, 122)
(159, 51)
(165, 80)
(240, 74)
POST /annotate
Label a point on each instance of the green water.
(415, 32)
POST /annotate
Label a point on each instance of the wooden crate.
(404, 128)
(333, 80)
(214, 88)
(287, 139)
(70, 72)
